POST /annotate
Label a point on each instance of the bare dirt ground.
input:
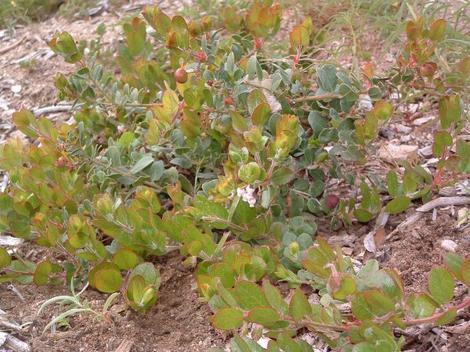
(180, 320)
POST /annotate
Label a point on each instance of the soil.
(179, 322)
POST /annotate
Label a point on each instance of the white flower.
(247, 194)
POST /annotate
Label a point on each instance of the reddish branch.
(464, 304)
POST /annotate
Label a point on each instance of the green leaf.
(228, 319)
(393, 186)
(282, 175)
(398, 205)
(450, 110)
(363, 215)
(422, 306)
(250, 172)
(382, 110)
(5, 258)
(437, 30)
(24, 120)
(299, 306)
(141, 164)
(135, 32)
(140, 295)
(454, 262)
(180, 28)
(126, 139)
(274, 297)
(239, 123)
(378, 302)
(41, 274)
(317, 122)
(148, 272)
(463, 151)
(106, 277)
(447, 318)
(466, 272)
(265, 316)
(126, 259)
(261, 114)
(442, 139)
(287, 343)
(441, 285)
(327, 77)
(249, 295)
(360, 308)
(346, 287)
(157, 19)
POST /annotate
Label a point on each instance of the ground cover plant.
(206, 136)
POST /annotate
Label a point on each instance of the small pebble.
(449, 245)
(16, 88)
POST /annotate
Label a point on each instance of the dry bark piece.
(13, 343)
(125, 346)
(394, 152)
(12, 46)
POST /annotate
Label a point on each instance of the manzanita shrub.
(204, 136)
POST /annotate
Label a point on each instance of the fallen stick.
(443, 202)
(435, 203)
(9, 325)
(10, 241)
(52, 109)
(14, 343)
(12, 46)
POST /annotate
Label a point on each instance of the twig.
(10, 241)
(443, 202)
(13, 343)
(463, 305)
(52, 109)
(317, 97)
(9, 325)
(12, 46)
(15, 291)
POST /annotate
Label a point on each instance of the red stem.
(464, 304)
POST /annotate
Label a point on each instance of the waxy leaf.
(422, 306)
(441, 285)
(299, 306)
(249, 295)
(5, 258)
(450, 110)
(265, 316)
(228, 319)
(398, 205)
(106, 277)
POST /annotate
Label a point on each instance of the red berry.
(258, 43)
(331, 201)
(210, 82)
(228, 101)
(201, 56)
(181, 75)
(428, 69)
(61, 162)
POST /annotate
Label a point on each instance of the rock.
(393, 152)
(402, 128)
(426, 151)
(365, 102)
(449, 245)
(423, 120)
(16, 88)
